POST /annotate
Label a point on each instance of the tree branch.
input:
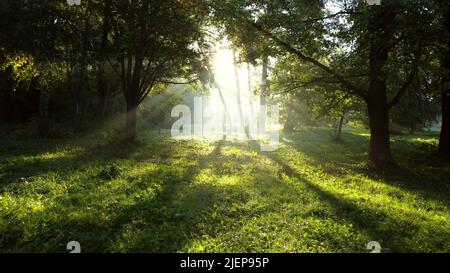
(331, 16)
(331, 106)
(174, 82)
(352, 89)
(409, 80)
(403, 88)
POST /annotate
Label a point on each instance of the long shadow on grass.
(392, 233)
(168, 221)
(160, 222)
(320, 148)
(74, 158)
(350, 155)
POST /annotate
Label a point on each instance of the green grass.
(311, 195)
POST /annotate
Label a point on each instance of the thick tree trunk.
(132, 93)
(131, 122)
(380, 150)
(444, 142)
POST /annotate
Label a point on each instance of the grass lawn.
(311, 195)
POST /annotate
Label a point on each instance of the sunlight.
(234, 84)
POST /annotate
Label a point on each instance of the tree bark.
(339, 129)
(131, 122)
(380, 149)
(378, 108)
(133, 96)
(444, 142)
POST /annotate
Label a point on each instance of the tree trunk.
(227, 114)
(380, 150)
(339, 129)
(103, 87)
(238, 95)
(132, 93)
(251, 114)
(444, 142)
(83, 81)
(131, 122)
(102, 92)
(290, 123)
(263, 97)
(288, 127)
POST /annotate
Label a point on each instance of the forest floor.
(311, 195)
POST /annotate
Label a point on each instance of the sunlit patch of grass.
(311, 195)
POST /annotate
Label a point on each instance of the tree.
(371, 38)
(444, 143)
(238, 90)
(309, 97)
(30, 38)
(156, 42)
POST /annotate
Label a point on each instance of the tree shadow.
(178, 209)
(70, 158)
(176, 214)
(394, 234)
(161, 222)
(431, 184)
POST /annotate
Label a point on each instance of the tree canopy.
(335, 56)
